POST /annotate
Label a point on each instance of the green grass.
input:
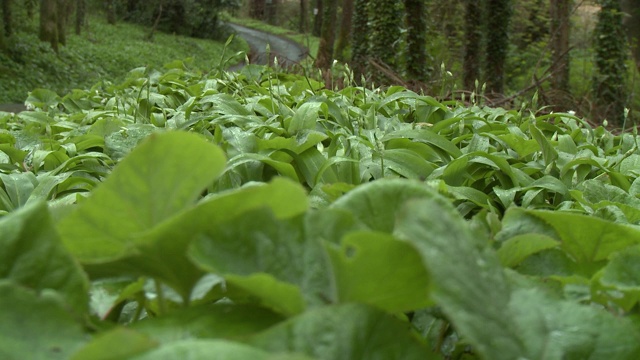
(102, 52)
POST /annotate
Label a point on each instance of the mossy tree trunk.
(304, 16)
(344, 35)
(111, 11)
(81, 7)
(472, 41)
(318, 12)
(7, 17)
(416, 55)
(498, 14)
(257, 9)
(49, 22)
(64, 9)
(560, 28)
(272, 11)
(609, 83)
(385, 20)
(30, 5)
(328, 34)
(632, 26)
(359, 38)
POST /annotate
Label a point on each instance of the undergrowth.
(102, 51)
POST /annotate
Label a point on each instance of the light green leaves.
(147, 188)
(377, 269)
(32, 256)
(502, 318)
(36, 326)
(116, 230)
(345, 332)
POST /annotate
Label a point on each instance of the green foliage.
(258, 215)
(107, 52)
(196, 18)
(609, 85)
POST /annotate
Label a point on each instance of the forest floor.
(286, 50)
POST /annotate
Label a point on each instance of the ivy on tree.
(609, 81)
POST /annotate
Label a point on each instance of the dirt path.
(287, 51)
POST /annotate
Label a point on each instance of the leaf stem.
(162, 306)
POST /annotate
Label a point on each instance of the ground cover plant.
(101, 51)
(259, 215)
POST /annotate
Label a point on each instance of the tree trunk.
(49, 22)
(63, 13)
(416, 55)
(359, 39)
(155, 23)
(631, 24)
(318, 13)
(7, 17)
(111, 12)
(303, 16)
(272, 12)
(472, 40)
(610, 77)
(257, 9)
(30, 5)
(328, 35)
(560, 27)
(81, 6)
(344, 34)
(3, 44)
(385, 19)
(499, 16)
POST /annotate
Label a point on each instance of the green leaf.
(120, 343)
(204, 349)
(144, 190)
(32, 255)
(426, 136)
(208, 321)
(162, 250)
(344, 332)
(548, 151)
(516, 249)
(305, 117)
(43, 98)
(310, 163)
(502, 319)
(302, 141)
(282, 297)
(623, 271)
(407, 163)
(119, 144)
(36, 327)
(379, 270)
(19, 187)
(374, 204)
(468, 283)
(283, 168)
(280, 248)
(587, 238)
